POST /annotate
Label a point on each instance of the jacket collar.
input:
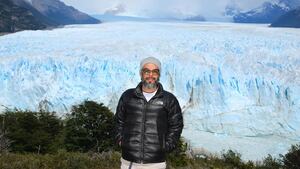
(139, 91)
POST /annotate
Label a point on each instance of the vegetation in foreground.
(84, 139)
(111, 160)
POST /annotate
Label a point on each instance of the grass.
(61, 160)
(111, 160)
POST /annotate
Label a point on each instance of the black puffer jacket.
(147, 130)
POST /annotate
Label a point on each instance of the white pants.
(125, 165)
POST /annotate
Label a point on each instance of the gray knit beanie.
(152, 60)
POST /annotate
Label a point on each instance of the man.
(148, 121)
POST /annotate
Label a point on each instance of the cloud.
(211, 9)
(116, 10)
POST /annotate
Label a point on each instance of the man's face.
(150, 75)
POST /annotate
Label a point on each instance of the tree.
(32, 131)
(178, 157)
(4, 142)
(271, 163)
(291, 160)
(89, 127)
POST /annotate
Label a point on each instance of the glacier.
(238, 84)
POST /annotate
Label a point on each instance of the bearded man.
(148, 121)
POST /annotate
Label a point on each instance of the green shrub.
(89, 127)
(232, 158)
(178, 157)
(4, 142)
(270, 163)
(31, 131)
(291, 160)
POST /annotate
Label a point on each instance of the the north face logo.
(159, 103)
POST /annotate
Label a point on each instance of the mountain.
(238, 84)
(39, 16)
(290, 19)
(15, 18)
(268, 12)
(61, 13)
(19, 15)
(114, 18)
(195, 18)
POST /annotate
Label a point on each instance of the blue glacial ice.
(238, 84)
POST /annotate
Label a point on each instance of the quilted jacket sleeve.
(175, 123)
(119, 120)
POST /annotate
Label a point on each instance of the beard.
(150, 85)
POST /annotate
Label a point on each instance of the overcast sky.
(162, 8)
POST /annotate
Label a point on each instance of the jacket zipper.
(143, 133)
(164, 143)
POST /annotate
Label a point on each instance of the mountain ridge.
(268, 12)
(61, 13)
(15, 18)
(290, 19)
(17, 15)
